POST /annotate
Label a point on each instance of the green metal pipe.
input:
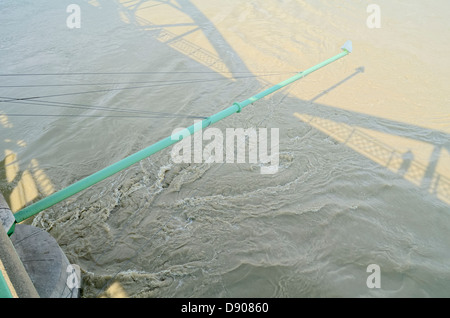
(5, 292)
(83, 184)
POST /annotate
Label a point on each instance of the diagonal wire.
(111, 109)
(159, 84)
(137, 73)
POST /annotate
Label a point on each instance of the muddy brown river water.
(364, 144)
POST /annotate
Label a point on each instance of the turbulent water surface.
(364, 147)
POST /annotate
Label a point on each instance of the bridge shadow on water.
(347, 127)
(351, 128)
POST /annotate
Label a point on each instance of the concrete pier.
(32, 264)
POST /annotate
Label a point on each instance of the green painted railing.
(85, 183)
